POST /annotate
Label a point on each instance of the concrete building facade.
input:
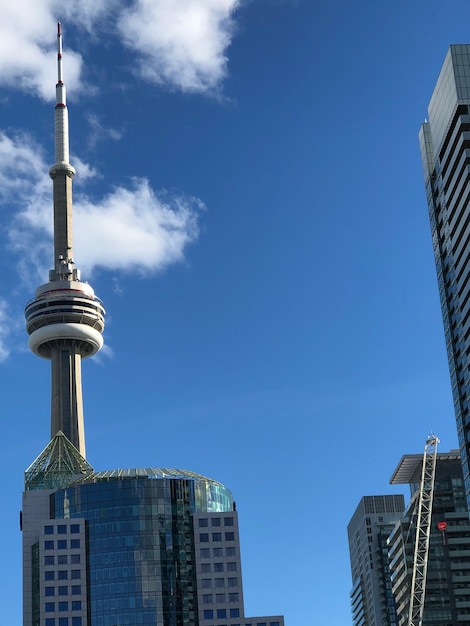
(372, 602)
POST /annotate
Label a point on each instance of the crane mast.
(423, 532)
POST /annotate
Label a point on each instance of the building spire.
(66, 320)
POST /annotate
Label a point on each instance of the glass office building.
(445, 150)
(128, 547)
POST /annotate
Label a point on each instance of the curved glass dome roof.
(145, 472)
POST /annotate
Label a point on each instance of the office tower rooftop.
(445, 152)
(153, 546)
(447, 597)
(371, 598)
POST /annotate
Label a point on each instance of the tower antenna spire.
(66, 320)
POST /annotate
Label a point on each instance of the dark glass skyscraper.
(445, 150)
(149, 546)
(447, 598)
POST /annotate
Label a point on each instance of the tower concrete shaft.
(65, 321)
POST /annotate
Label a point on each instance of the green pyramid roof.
(59, 464)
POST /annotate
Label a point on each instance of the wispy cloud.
(101, 132)
(133, 228)
(5, 326)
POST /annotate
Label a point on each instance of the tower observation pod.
(65, 321)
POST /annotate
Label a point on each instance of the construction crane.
(423, 532)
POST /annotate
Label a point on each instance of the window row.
(62, 544)
(205, 553)
(208, 598)
(61, 529)
(62, 559)
(62, 590)
(215, 521)
(263, 624)
(219, 582)
(76, 605)
(64, 621)
(204, 537)
(221, 613)
(219, 567)
(62, 574)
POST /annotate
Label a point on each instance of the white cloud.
(131, 229)
(134, 229)
(181, 43)
(5, 325)
(100, 132)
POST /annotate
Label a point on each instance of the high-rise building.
(147, 546)
(447, 597)
(445, 151)
(372, 602)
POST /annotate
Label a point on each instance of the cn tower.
(65, 321)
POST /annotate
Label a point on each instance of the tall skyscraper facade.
(372, 603)
(447, 597)
(146, 546)
(445, 150)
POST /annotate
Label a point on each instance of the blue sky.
(249, 205)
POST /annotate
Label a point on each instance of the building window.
(63, 606)
(232, 582)
(233, 597)
(220, 598)
(205, 568)
(218, 552)
(218, 567)
(63, 591)
(63, 621)
(228, 521)
(230, 551)
(62, 574)
(76, 605)
(215, 521)
(75, 543)
(221, 613)
(76, 590)
(75, 559)
(208, 614)
(50, 621)
(48, 545)
(62, 559)
(207, 598)
(206, 583)
(62, 529)
(205, 553)
(234, 612)
(220, 582)
(203, 523)
(216, 536)
(49, 575)
(50, 607)
(49, 591)
(74, 528)
(203, 537)
(48, 530)
(75, 574)
(62, 544)
(76, 621)
(230, 536)
(232, 566)
(274, 624)
(261, 624)
(48, 560)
